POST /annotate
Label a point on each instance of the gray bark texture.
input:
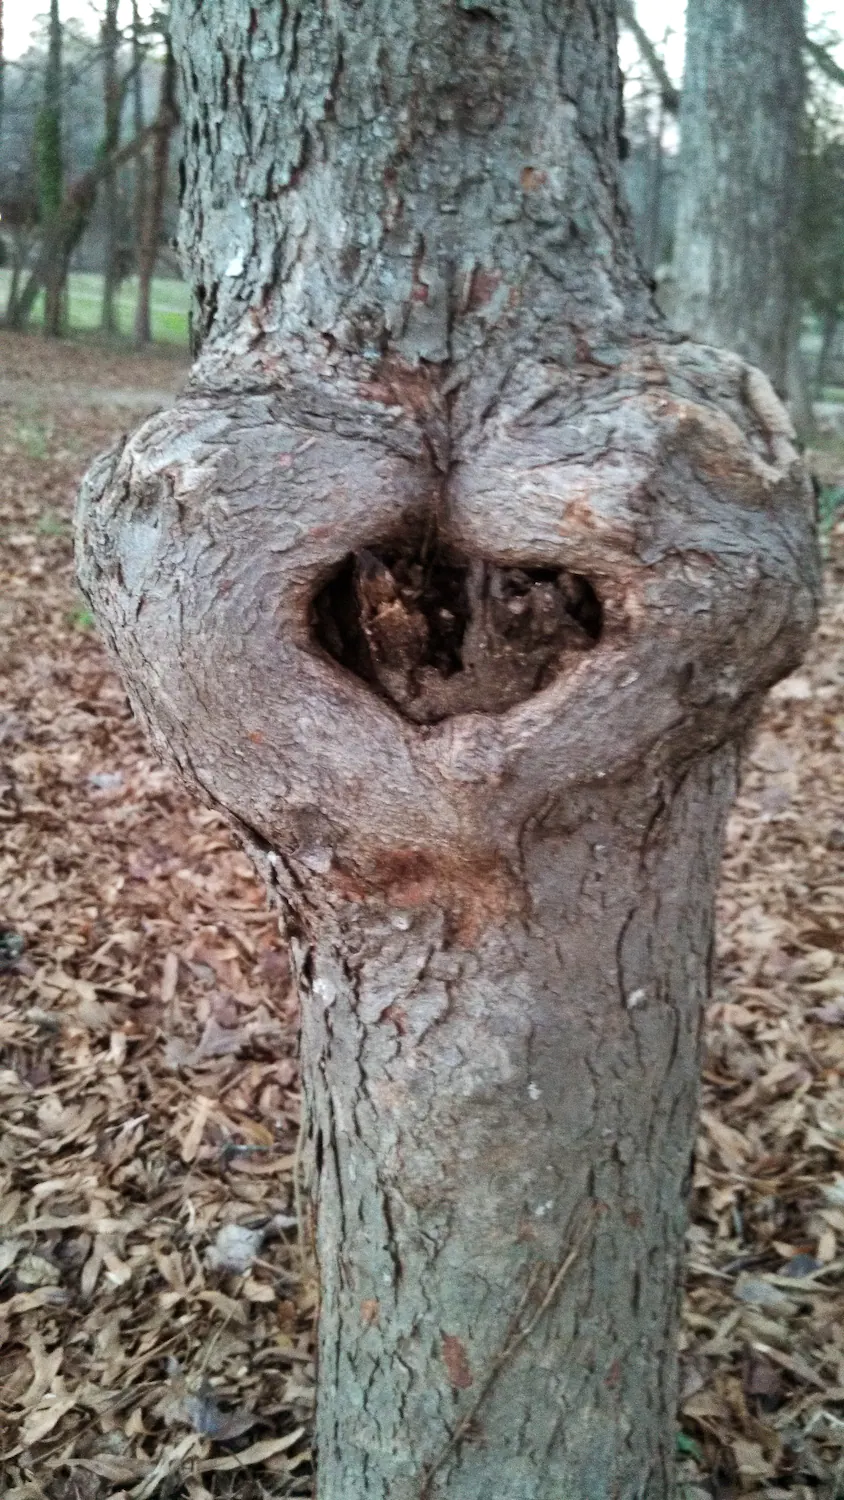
(457, 583)
(738, 207)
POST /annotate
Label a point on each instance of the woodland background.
(156, 1305)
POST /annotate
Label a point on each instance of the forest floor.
(156, 1317)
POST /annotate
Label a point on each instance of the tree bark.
(739, 181)
(150, 231)
(112, 110)
(433, 402)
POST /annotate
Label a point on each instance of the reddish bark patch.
(397, 383)
(532, 178)
(475, 893)
(526, 1232)
(456, 1362)
(370, 1311)
(483, 287)
(397, 1016)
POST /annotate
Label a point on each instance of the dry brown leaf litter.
(155, 1328)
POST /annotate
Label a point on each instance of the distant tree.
(647, 168)
(821, 258)
(113, 95)
(669, 93)
(51, 174)
(69, 225)
(88, 161)
(739, 193)
(2, 69)
(141, 182)
(149, 230)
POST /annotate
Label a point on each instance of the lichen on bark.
(431, 380)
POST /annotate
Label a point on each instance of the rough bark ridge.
(457, 584)
(739, 194)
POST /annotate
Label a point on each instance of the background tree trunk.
(829, 331)
(141, 175)
(739, 184)
(150, 230)
(457, 586)
(51, 176)
(2, 69)
(112, 109)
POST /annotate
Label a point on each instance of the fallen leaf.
(257, 1454)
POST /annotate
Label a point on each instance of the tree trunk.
(51, 176)
(112, 109)
(150, 233)
(739, 181)
(14, 281)
(829, 329)
(798, 390)
(501, 1072)
(653, 259)
(2, 70)
(141, 194)
(457, 585)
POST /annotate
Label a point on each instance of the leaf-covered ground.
(155, 1312)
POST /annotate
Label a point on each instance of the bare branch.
(827, 64)
(669, 93)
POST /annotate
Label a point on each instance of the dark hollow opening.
(440, 634)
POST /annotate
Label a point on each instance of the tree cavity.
(437, 633)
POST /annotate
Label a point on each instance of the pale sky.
(657, 16)
(20, 16)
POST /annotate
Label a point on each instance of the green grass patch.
(51, 524)
(830, 505)
(81, 618)
(169, 301)
(33, 436)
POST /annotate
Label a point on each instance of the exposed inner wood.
(440, 634)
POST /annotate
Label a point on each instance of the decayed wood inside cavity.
(439, 634)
